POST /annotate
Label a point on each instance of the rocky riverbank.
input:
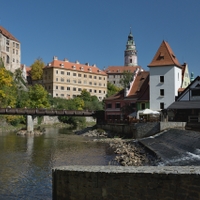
(128, 152)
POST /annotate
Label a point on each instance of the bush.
(14, 120)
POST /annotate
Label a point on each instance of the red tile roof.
(7, 34)
(75, 67)
(139, 90)
(120, 69)
(164, 57)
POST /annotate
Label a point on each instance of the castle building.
(167, 77)
(115, 73)
(10, 50)
(65, 79)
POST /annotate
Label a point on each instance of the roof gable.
(164, 57)
(7, 34)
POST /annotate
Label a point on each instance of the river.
(26, 162)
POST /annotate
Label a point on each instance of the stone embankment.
(128, 152)
(36, 132)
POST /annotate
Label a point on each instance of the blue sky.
(96, 31)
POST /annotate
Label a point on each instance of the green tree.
(7, 89)
(85, 95)
(126, 79)
(112, 89)
(38, 97)
(37, 69)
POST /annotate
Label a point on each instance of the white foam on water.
(187, 157)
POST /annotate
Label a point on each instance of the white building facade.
(10, 50)
(165, 78)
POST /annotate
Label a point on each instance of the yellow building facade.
(65, 79)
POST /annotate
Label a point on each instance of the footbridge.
(31, 113)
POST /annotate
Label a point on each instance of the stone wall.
(116, 182)
(141, 130)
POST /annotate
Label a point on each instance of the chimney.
(87, 64)
(66, 60)
(76, 62)
(55, 58)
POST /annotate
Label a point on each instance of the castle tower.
(130, 54)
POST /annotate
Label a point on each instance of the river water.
(26, 162)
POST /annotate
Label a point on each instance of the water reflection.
(26, 162)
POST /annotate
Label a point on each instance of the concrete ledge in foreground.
(117, 182)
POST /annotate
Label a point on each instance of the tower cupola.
(130, 54)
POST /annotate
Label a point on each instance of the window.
(90, 90)
(74, 81)
(68, 73)
(56, 87)
(85, 82)
(68, 88)
(7, 49)
(79, 81)
(196, 92)
(99, 91)
(62, 95)
(95, 77)
(79, 89)
(117, 105)
(143, 106)
(7, 59)
(62, 80)
(161, 79)
(56, 79)
(161, 92)
(90, 83)
(17, 45)
(161, 105)
(131, 61)
(79, 75)
(13, 60)
(13, 51)
(95, 83)
(16, 52)
(68, 80)
(13, 44)
(100, 84)
(56, 71)
(85, 76)
(108, 105)
(62, 88)
(7, 42)
(74, 74)
(100, 77)
(90, 76)
(95, 91)
(62, 72)
(74, 89)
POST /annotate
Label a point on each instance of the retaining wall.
(140, 130)
(117, 182)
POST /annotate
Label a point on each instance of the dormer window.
(73, 67)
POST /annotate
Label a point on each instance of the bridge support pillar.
(29, 123)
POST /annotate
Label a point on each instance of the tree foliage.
(112, 89)
(7, 89)
(38, 97)
(37, 69)
(126, 79)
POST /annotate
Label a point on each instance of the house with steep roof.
(167, 76)
(65, 79)
(10, 50)
(187, 106)
(134, 98)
